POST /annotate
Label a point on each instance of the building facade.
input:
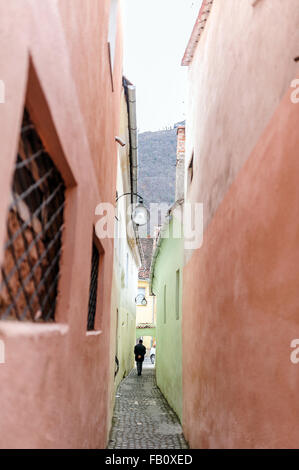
(58, 161)
(127, 260)
(166, 285)
(145, 302)
(240, 302)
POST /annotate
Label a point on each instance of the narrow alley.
(149, 183)
(142, 418)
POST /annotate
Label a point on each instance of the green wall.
(145, 332)
(168, 330)
(125, 341)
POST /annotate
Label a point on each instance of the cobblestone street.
(142, 418)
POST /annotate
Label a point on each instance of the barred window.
(30, 269)
(93, 288)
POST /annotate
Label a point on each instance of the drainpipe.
(133, 139)
(130, 93)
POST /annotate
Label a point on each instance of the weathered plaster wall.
(242, 67)
(240, 299)
(86, 29)
(240, 304)
(169, 333)
(57, 379)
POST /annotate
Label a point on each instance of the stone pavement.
(142, 418)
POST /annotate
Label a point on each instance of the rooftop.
(197, 31)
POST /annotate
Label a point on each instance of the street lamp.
(140, 214)
(140, 300)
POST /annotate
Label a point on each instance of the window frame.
(177, 293)
(165, 304)
(98, 317)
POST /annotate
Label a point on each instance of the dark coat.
(139, 350)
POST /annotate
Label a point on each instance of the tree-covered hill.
(157, 159)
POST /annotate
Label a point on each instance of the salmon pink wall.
(55, 382)
(242, 66)
(241, 303)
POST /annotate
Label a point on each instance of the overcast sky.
(156, 33)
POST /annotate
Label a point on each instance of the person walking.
(139, 352)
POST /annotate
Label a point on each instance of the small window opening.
(177, 294)
(32, 251)
(93, 288)
(190, 169)
(165, 304)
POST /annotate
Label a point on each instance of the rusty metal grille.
(92, 305)
(30, 270)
